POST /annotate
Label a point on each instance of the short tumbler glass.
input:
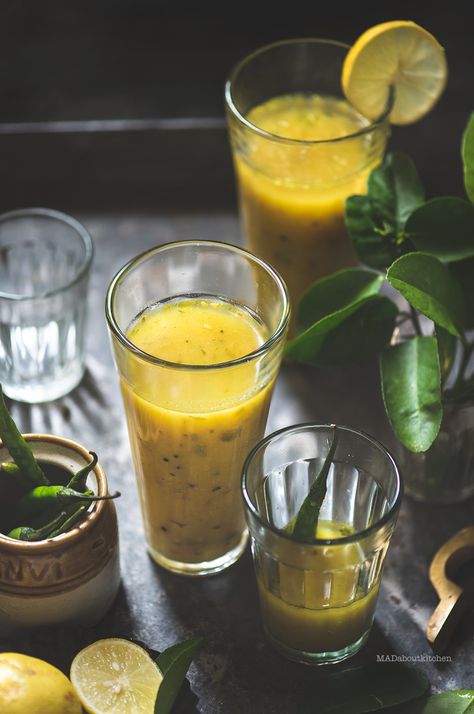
(45, 261)
(318, 598)
(192, 425)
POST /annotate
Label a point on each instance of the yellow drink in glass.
(184, 441)
(321, 606)
(197, 332)
(299, 151)
(318, 596)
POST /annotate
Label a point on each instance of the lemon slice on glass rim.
(399, 55)
(115, 676)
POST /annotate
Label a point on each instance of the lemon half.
(115, 676)
(398, 54)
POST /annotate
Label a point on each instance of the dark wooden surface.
(236, 670)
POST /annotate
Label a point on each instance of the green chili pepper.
(69, 522)
(15, 475)
(43, 500)
(306, 522)
(78, 481)
(10, 468)
(71, 513)
(69, 510)
(31, 534)
(18, 448)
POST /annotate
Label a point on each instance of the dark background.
(70, 61)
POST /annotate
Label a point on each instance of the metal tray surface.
(236, 670)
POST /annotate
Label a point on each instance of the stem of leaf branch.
(416, 322)
(467, 350)
(402, 318)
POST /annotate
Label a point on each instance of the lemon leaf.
(468, 158)
(376, 222)
(372, 245)
(174, 663)
(411, 390)
(395, 190)
(371, 688)
(444, 227)
(430, 288)
(459, 701)
(362, 327)
(334, 292)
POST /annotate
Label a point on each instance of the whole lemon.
(31, 686)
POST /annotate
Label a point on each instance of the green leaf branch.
(460, 701)
(420, 253)
(370, 688)
(174, 663)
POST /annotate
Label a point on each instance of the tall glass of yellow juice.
(197, 331)
(318, 597)
(299, 151)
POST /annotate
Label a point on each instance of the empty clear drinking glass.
(45, 260)
(318, 597)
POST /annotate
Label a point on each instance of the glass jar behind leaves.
(444, 473)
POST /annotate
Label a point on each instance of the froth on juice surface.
(193, 422)
(294, 179)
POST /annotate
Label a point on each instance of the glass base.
(209, 567)
(35, 392)
(316, 658)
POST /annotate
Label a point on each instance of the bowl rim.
(17, 547)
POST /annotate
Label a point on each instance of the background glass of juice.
(191, 423)
(299, 151)
(318, 599)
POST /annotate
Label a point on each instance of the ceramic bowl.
(72, 578)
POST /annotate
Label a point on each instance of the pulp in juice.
(193, 422)
(294, 179)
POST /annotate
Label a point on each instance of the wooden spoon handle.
(454, 600)
(446, 618)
